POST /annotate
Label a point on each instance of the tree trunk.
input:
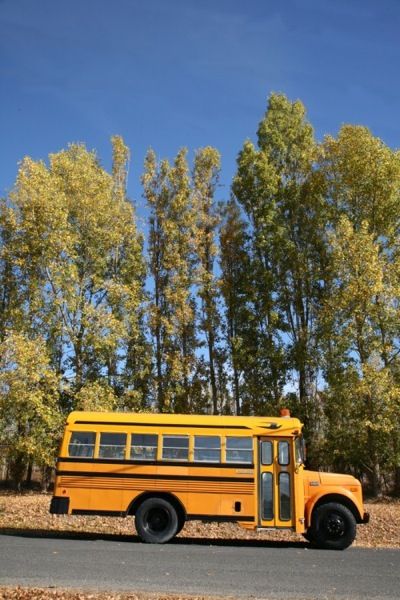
(17, 471)
(397, 481)
(236, 390)
(29, 473)
(214, 390)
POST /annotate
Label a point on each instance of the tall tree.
(77, 258)
(362, 399)
(362, 342)
(235, 285)
(205, 179)
(30, 419)
(173, 309)
(134, 384)
(9, 293)
(254, 186)
(281, 193)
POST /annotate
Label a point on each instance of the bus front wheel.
(156, 521)
(333, 527)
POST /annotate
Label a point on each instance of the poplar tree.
(172, 261)
(134, 382)
(281, 194)
(30, 418)
(9, 296)
(235, 285)
(254, 185)
(362, 311)
(77, 260)
(205, 179)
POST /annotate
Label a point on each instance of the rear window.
(82, 444)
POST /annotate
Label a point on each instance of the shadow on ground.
(113, 537)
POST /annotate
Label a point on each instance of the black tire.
(156, 521)
(333, 526)
(181, 524)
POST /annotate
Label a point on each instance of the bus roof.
(256, 425)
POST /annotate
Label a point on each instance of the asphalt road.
(237, 569)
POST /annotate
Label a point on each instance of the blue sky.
(172, 73)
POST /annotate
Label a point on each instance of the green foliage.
(287, 294)
(280, 193)
(76, 262)
(205, 179)
(172, 260)
(361, 314)
(30, 418)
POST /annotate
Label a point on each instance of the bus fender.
(171, 498)
(335, 494)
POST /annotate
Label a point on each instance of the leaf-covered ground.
(29, 513)
(19, 593)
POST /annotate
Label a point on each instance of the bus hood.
(338, 479)
(330, 479)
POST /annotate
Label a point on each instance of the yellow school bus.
(165, 469)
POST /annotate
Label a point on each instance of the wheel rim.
(334, 526)
(157, 520)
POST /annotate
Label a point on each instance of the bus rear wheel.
(156, 521)
(334, 526)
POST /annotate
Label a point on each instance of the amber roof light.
(284, 412)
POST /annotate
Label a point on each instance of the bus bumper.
(365, 519)
(59, 505)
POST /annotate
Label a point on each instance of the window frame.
(282, 516)
(280, 444)
(93, 445)
(177, 448)
(111, 458)
(207, 449)
(249, 450)
(142, 458)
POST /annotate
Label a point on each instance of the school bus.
(165, 469)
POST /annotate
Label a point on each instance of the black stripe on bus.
(171, 425)
(100, 513)
(157, 476)
(222, 518)
(154, 463)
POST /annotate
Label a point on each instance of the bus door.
(276, 486)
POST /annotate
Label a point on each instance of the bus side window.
(239, 450)
(144, 446)
(82, 444)
(175, 447)
(112, 445)
(207, 448)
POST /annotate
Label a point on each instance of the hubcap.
(157, 519)
(334, 525)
